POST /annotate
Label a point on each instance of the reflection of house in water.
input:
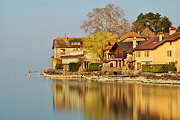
(144, 101)
(118, 101)
(68, 97)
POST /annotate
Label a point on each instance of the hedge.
(159, 68)
(74, 67)
(59, 66)
(94, 67)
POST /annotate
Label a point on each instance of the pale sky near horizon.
(27, 27)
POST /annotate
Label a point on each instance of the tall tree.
(153, 21)
(178, 27)
(98, 41)
(108, 19)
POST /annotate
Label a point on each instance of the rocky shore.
(133, 76)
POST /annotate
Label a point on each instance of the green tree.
(98, 41)
(153, 21)
(178, 27)
(108, 19)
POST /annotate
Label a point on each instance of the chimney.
(160, 36)
(172, 30)
(134, 42)
(66, 39)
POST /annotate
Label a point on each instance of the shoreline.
(114, 79)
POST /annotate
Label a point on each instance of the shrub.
(170, 68)
(59, 66)
(74, 67)
(94, 67)
(146, 68)
(157, 69)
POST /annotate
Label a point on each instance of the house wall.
(69, 60)
(55, 61)
(118, 52)
(106, 55)
(177, 54)
(159, 55)
(91, 57)
(58, 54)
(116, 63)
(143, 58)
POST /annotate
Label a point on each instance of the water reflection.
(110, 101)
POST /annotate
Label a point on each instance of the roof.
(154, 42)
(130, 35)
(110, 45)
(62, 42)
(125, 46)
(147, 33)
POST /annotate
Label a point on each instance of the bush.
(158, 68)
(146, 68)
(170, 68)
(59, 66)
(94, 67)
(74, 67)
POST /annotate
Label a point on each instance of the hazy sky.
(27, 27)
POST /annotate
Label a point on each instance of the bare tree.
(108, 19)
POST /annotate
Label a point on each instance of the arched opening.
(111, 64)
(115, 73)
(106, 73)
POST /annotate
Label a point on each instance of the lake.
(36, 98)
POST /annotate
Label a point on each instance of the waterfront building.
(120, 53)
(66, 50)
(160, 49)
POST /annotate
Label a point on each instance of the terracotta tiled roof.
(173, 37)
(61, 42)
(124, 46)
(130, 35)
(109, 46)
(147, 33)
(154, 42)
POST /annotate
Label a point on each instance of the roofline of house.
(70, 56)
(164, 41)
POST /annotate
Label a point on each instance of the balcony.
(77, 52)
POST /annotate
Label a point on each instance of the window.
(169, 53)
(146, 53)
(75, 43)
(138, 54)
(170, 43)
(111, 64)
(138, 66)
(62, 51)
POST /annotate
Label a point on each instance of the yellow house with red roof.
(160, 49)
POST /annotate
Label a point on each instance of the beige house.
(66, 50)
(69, 50)
(160, 49)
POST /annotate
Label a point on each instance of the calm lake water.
(36, 98)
